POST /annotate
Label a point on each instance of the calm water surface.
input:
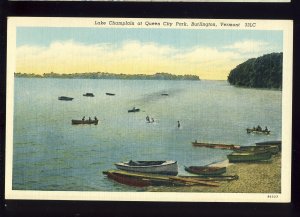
(51, 154)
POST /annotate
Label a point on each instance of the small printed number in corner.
(251, 25)
(272, 196)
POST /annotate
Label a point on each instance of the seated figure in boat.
(83, 118)
(259, 128)
(95, 118)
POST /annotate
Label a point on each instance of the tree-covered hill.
(261, 72)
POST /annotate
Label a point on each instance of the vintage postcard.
(121, 109)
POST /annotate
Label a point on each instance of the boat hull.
(215, 146)
(249, 156)
(110, 94)
(134, 110)
(166, 168)
(76, 122)
(206, 171)
(271, 148)
(265, 132)
(65, 98)
(270, 143)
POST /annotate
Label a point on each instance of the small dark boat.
(165, 94)
(89, 94)
(206, 170)
(249, 156)
(65, 98)
(134, 110)
(110, 94)
(214, 145)
(95, 122)
(266, 132)
(168, 167)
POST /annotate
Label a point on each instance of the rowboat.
(65, 98)
(205, 170)
(271, 148)
(89, 94)
(75, 122)
(134, 110)
(266, 132)
(165, 94)
(168, 167)
(270, 143)
(110, 94)
(249, 156)
(143, 179)
(215, 145)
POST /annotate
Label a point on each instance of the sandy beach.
(263, 177)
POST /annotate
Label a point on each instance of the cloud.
(130, 57)
(252, 48)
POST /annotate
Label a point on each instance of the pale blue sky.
(175, 37)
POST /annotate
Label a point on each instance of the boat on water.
(134, 109)
(75, 122)
(215, 145)
(110, 94)
(270, 143)
(168, 167)
(165, 94)
(65, 98)
(89, 94)
(145, 179)
(265, 132)
(249, 156)
(271, 148)
(206, 170)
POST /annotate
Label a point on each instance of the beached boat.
(271, 148)
(65, 98)
(146, 179)
(270, 143)
(89, 94)
(215, 145)
(95, 122)
(110, 94)
(266, 132)
(206, 170)
(134, 110)
(159, 167)
(249, 156)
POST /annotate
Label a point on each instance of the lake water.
(51, 154)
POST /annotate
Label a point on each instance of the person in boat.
(178, 124)
(90, 119)
(83, 118)
(95, 118)
(152, 120)
(147, 119)
(266, 129)
(259, 128)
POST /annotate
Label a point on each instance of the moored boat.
(271, 148)
(65, 98)
(134, 109)
(110, 94)
(89, 94)
(95, 122)
(145, 179)
(215, 145)
(168, 167)
(270, 143)
(206, 170)
(249, 156)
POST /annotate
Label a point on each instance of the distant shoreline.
(101, 75)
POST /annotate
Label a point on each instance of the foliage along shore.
(261, 72)
(103, 75)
